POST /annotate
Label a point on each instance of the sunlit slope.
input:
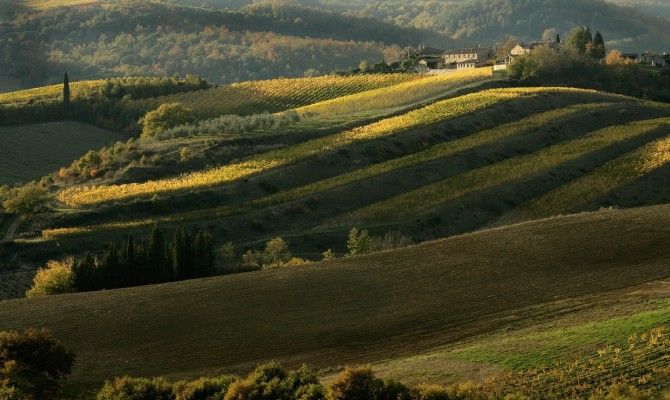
(47, 93)
(46, 4)
(356, 309)
(402, 164)
(274, 95)
(451, 108)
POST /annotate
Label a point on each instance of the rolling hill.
(32, 151)
(465, 160)
(138, 38)
(362, 309)
(638, 26)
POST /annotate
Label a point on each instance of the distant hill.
(487, 21)
(651, 7)
(159, 38)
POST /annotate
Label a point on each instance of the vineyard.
(425, 198)
(553, 110)
(274, 95)
(87, 196)
(521, 127)
(603, 180)
(48, 93)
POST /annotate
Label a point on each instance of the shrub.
(204, 388)
(391, 240)
(328, 255)
(432, 392)
(27, 199)
(359, 242)
(166, 116)
(55, 278)
(127, 388)
(356, 384)
(393, 390)
(275, 254)
(32, 364)
(232, 124)
(270, 382)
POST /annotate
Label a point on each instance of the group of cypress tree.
(153, 260)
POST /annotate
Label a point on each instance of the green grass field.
(32, 151)
(360, 309)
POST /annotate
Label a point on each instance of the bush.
(432, 392)
(270, 382)
(27, 199)
(127, 388)
(166, 116)
(55, 278)
(232, 124)
(275, 254)
(32, 365)
(359, 242)
(356, 384)
(204, 388)
(391, 240)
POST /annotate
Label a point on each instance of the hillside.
(487, 21)
(358, 309)
(138, 38)
(452, 166)
(32, 151)
(651, 7)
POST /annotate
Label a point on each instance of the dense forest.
(236, 40)
(487, 21)
(158, 39)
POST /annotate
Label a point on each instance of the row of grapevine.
(48, 93)
(614, 174)
(393, 98)
(431, 196)
(86, 196)
(273, 95)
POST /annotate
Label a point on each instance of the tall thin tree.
(66, 90)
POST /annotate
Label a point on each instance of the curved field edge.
(402, 301)
(88, 196)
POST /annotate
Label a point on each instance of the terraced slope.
(355, 309)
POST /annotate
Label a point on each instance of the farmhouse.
(653, 60)
(522, 48)
(467, 58)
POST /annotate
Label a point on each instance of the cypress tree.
(83, 273)
(204, 253)
(178, 254)
(159, 270)
(66, 90)
(558, 38)
(104, 275)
